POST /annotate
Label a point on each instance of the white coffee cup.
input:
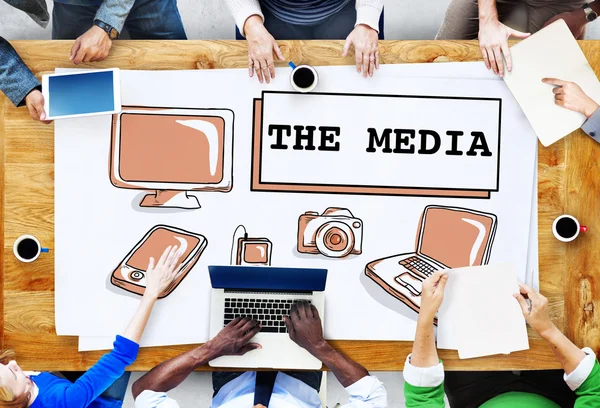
(298, 70)
(34, 255)
(572, 230)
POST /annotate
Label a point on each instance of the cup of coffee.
(566, 228)
(304, 78)
(27, 248)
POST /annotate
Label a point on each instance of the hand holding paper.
(570, 96)
(432, 295)
(536, 310)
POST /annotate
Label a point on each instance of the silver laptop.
(266, 294)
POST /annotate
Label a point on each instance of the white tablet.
(86, 93)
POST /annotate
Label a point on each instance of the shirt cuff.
(153, 399)
(583, 370)
(363, 387)
(25, 87)
(423, 376)
(114, 13)
(592, 125)
(368, 15)
(128, 348)
(244, 13)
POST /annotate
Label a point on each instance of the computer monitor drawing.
(172, 152)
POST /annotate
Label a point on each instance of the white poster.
(119, 195)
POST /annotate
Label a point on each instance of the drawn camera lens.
(136, 275)
(335, 240)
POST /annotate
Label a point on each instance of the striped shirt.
(306, 13)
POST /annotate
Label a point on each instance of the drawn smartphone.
(130, 275)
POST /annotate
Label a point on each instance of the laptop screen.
(456, 237)
(268, 278)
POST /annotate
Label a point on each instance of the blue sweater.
(56, 392)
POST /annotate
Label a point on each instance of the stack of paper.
(479, 315)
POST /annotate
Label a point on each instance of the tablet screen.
(81, 93)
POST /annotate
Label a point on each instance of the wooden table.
(569, 182)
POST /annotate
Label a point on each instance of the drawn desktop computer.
(172, 152)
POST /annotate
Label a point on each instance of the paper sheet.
(550, 53)
(479, 316)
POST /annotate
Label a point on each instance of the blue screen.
(268, 278)
(81, 93)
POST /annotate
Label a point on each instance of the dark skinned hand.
(304, 326)
(234, 339)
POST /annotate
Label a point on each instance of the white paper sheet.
(479, 316)
(550, 53)
(96, 213)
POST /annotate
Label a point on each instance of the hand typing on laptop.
(289, 389)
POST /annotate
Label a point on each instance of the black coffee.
(304, 77)
(566, 227)
(28, 248)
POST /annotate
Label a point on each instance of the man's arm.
(234, 339)
(16, 80)
(305, 329)
(114, 12)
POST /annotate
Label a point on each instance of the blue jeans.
(147, 20)
(335, 27)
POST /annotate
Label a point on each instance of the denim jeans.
(310, 378)
(147, 20)
(335, 27)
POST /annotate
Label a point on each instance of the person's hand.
(261, 46)
(93, 45)
(575, 20)
(365, 41)
(493, 43)
(304, 327)
(535, 310)
(569, 95)
(35, 103)
(432, 294)
(234, 339)
(161, 274)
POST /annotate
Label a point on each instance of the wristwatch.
(590, 15)
(110, 30)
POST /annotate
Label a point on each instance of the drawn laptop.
(266, 294)
(448, 237)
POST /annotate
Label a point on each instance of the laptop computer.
(266, 294)
(448, 237)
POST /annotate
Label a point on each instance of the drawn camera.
(336, 233)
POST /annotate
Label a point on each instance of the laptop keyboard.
(268, 312)
(418, 266)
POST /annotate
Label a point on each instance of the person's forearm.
(368, 12)
(424, 352)
(16, 80)
(487, 10)
(169, 374)
(241, 10)
(115, 12)
(345, 370)
(136, 326)
(567, 353)
(595, 5)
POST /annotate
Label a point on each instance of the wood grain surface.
(569, 181)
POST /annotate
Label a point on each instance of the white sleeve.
(368, 12)
(242, 9)
(423, 376)
(583, 370)
(153, 399)
(368, 392)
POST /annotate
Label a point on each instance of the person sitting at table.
(93, 388)
(483, 19)
(259, 389)
(93, 24)
(570, 96)
(262, 22)
(424, 372)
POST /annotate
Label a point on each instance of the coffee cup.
(304, 78)
(566, 228)
(27, 248)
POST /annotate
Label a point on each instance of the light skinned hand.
(234, 339)
(535, 312)
(366, 52)
(35, 103)
(305, 327)
(93, 45)
(493, 43)
(569, 95)
(575, 20)
(161, 274)
(261, 46)
(432, 294)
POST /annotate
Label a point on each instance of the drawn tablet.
(130, 275)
